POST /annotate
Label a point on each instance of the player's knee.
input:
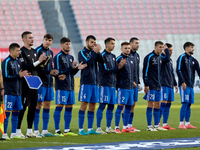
(39, 105)
(157, 105)
(92, 106)
(83, 106)
(150, 104)
(47, 104)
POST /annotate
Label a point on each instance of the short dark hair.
(125, 43)
(132, 39)
(90, 37)
(158, 43)
(48, 36)
(108, 40)
(13, 46)
(25, 33)
(64, 39)
(168, 45)
(188, 44)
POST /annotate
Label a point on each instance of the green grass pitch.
(138, 122)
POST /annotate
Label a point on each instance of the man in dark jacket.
(186, 67)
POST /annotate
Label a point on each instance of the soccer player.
(107, 85)
(30, 62)
(89, 92)
(186, 67)
(152, 81)
(134, 43)
(64, 63)
(168, 82)
(125, 85)
(12, 74)
(45, 92)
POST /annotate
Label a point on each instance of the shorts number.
(40, 96)
(123, 98)
(63, 98)
(106, 98)
(152, 96)
(9, 105)
(165, 95)
(186, 97)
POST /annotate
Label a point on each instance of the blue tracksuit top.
(45, 76)
(125, 76)
(108, 70)
(90, 74)
(167, 74)
(152, 69)
(136, 71)
(63, 63)
(11, 79)
(185, 69)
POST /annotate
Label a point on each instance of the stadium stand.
(170, 21)
(18, 16)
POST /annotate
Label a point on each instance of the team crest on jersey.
(88, 55)
(18, 65)
(138, 58)
(154, 61)
(71, 60)
(35, 55)
(113, 59)
(22, 59)
(193, 63)
(12, 65)
(132, 62)
(186, 60)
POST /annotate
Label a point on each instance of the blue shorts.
(167, 93)
(153, 95)
(45, 94)
(12, 102)
(88, 93)
(107, 95)
(187, 95)
(135, 96)
(65, 97)
(125, 96)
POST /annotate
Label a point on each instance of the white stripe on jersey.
(101, 95)
(81, 96)
(5, 104)
(58, 98)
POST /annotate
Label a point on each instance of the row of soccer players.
(121, 72)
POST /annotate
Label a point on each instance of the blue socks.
(81, 117)
(118, 114)
(162, 109)
(67, 117)
(131, 118)
(183, 111)
(127, 114)
(6, 121)
(149, 115)
(90, 116)
(36, 119)
(56, 117)
(156, 114)
(45, 117)
(109, 115)
(187, 116)
(100, 114)
(166, 112)
(14, 121)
